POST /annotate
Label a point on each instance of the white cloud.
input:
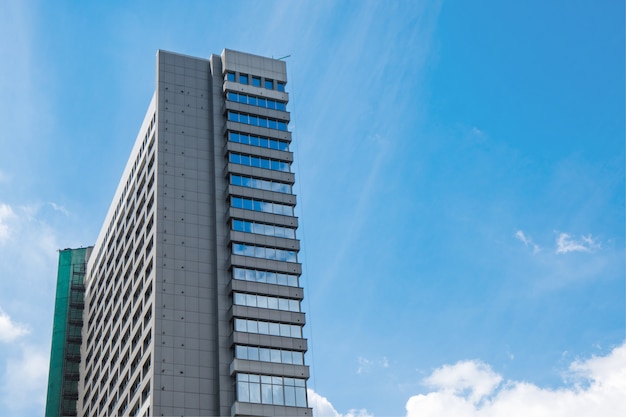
(323, 408)
(473, 389)
(366, 365)
(10, 330)
(6, 213)
(527, 240)
(565, 243)
(26, 379)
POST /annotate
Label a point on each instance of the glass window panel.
(239, 273)
(244, 139)
(243, 118)
(233, 117)
(262, 206)
(271, 124)
(296, 331)
(277, 392)
(285, 357)
(285, 330)
(294, 305)
(254, 141)
(282, 279)
(238, 225)
(252, 101)
(254, 121)
(269, 84)
(280, 106)
(282, 125)
(252, 326)
(283, 304)
(280, 86)
(271, 278)
(240, 325)
(264, 354)
(243, 392)
(247, 204)
(255, 393)
(241, 352)
(253, 353)
(239, 299)
(236, 202)
(230, 76)
(262, 122)
(254, 378)
(243, 78)
(273, 144)
(250, 274)
(264, 143)
(292, 281)
(250, 300)
(242, 98)
(261, 102)
(271, 104)
(300, 397)
(232, 96)
(245, 160)
(298, 358)
(235, 158)
(259, 252)
(274, 329)
(263, 328)
(235, 180)
(233, 136)
(256, 81)
(265, 164)
(291, 256)
(248, 250)
(261, 301)
(256, 162)
(247, 227)
(272, 302)
(266, 392)
(275, 355)
(290, 396)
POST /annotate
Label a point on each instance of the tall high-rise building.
(191, 293)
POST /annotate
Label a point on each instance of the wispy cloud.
(473, 389)
(6, 213)
(323, 408)
(565, 244)
(527, 240)
(366, 365)
(9, 330)
(25, 379)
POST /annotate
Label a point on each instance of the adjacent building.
(191, 292)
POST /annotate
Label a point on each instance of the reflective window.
(256, 101)
(255, 161)
(243, 78)
(263, 327)
(265, 389)
(230, 76)
(269, 84)
(263, 252)
(263, 229)
(256, 205)
(268, 277)
(258, 121)
(262, 301)
(280, 86)
(256, 81)
(257, 141)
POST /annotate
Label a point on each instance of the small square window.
(243, 78)
(230, 76)
(280, 86)
(269, 84)
(256, 81)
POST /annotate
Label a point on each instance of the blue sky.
(460, 172)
